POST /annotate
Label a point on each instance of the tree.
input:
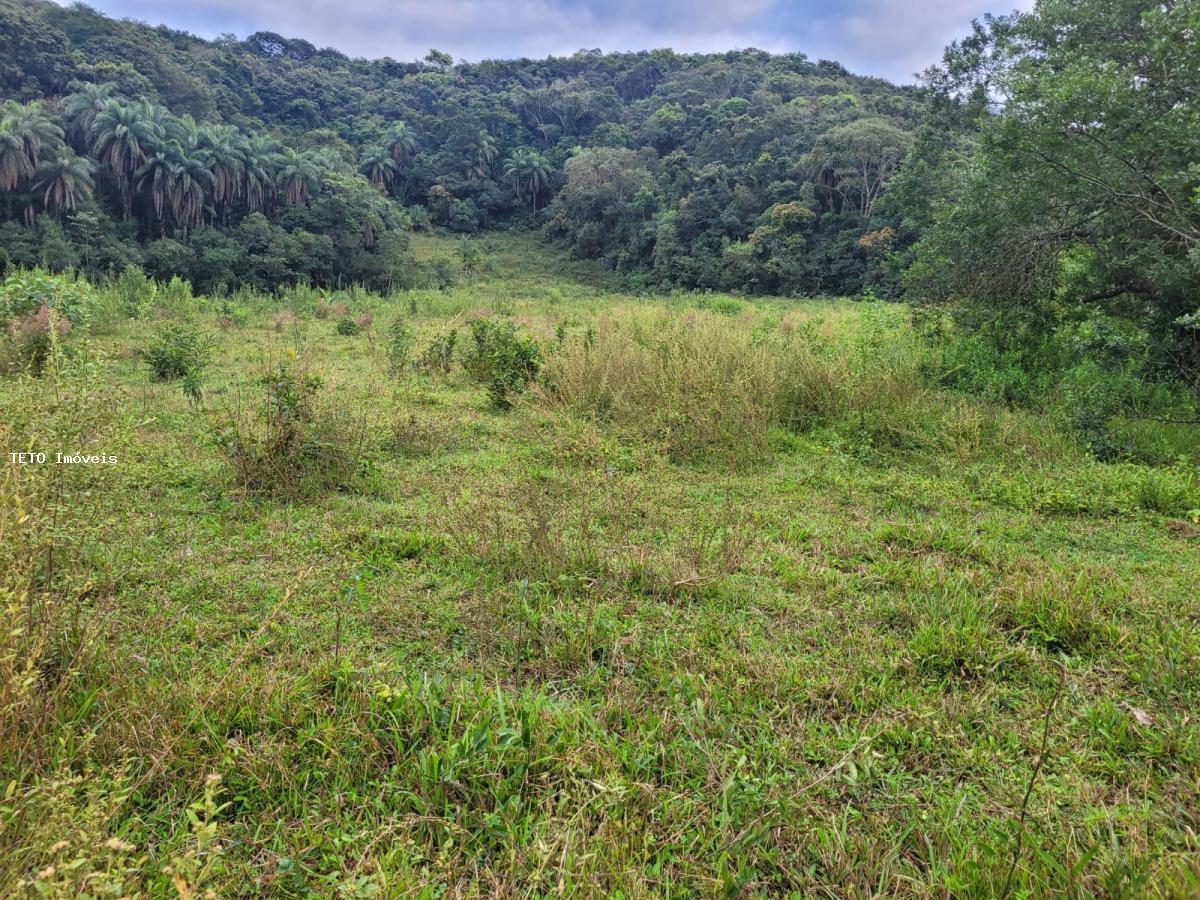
(24, 130)
(858, 158)
(481, 151)
(297, 176)
(82, 106)
(1087, 115)
(224, 147)
(260, 161)
(123, 136)
(401, 142)
(529, 173)
(65, 179)
(379, 167)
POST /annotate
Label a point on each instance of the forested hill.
(742, 170)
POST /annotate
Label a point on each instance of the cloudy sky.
(889, 38)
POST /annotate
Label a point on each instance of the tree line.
(215, 131)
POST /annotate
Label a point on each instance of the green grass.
(548, 651)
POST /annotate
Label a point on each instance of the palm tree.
(297, 176)
(379, 167)
(529, 173)
(193, 181)
(178, 179)
(156, 176)
(401, 142)
(14, 161)
(82, 107)
(36, 129)
(481, 150)
(225, 148)
(123, 136)
(65, 179)
(258, 180)
(25, 131)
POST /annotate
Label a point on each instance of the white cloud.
(879, 37)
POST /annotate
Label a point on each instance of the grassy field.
(732, 601)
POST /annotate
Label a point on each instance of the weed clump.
(399, 347)
(297, 441)
(438, 357)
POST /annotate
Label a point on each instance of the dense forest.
(1041, 183)
(739, 171)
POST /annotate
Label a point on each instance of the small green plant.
(347, 327)
(399, 347)
(26, 291)
(502, 359)
(438, 357)
(177, 350)
(300, 441)
(234, 315)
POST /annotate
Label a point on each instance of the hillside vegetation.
(684, 595)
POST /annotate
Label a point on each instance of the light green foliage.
(426, 648)
(502, 359)
(399, 346)
(288, 438)
(24, 292)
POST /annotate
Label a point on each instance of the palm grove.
(1041, 186)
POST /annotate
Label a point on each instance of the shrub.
(399, 346)
(413, 436)
(35, 335)
(439, 355)
(234, 315)
(365, 321)
(26, 291)
(346, 327)
(297, 441)
(176, 350)
(134, 290)
(501, 359)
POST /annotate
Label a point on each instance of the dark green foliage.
(1067, 249)
(502, 359)
(346, 327)
(674, 168)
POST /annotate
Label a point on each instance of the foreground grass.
(553, 650)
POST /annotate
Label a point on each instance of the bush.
(35, 335)
(298, 441)
(26, 291)
(399, 347)
(177, 350)
(501, 359)
(439, 355)
(134, 292)
(346, 327)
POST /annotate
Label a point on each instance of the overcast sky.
(889, 38)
